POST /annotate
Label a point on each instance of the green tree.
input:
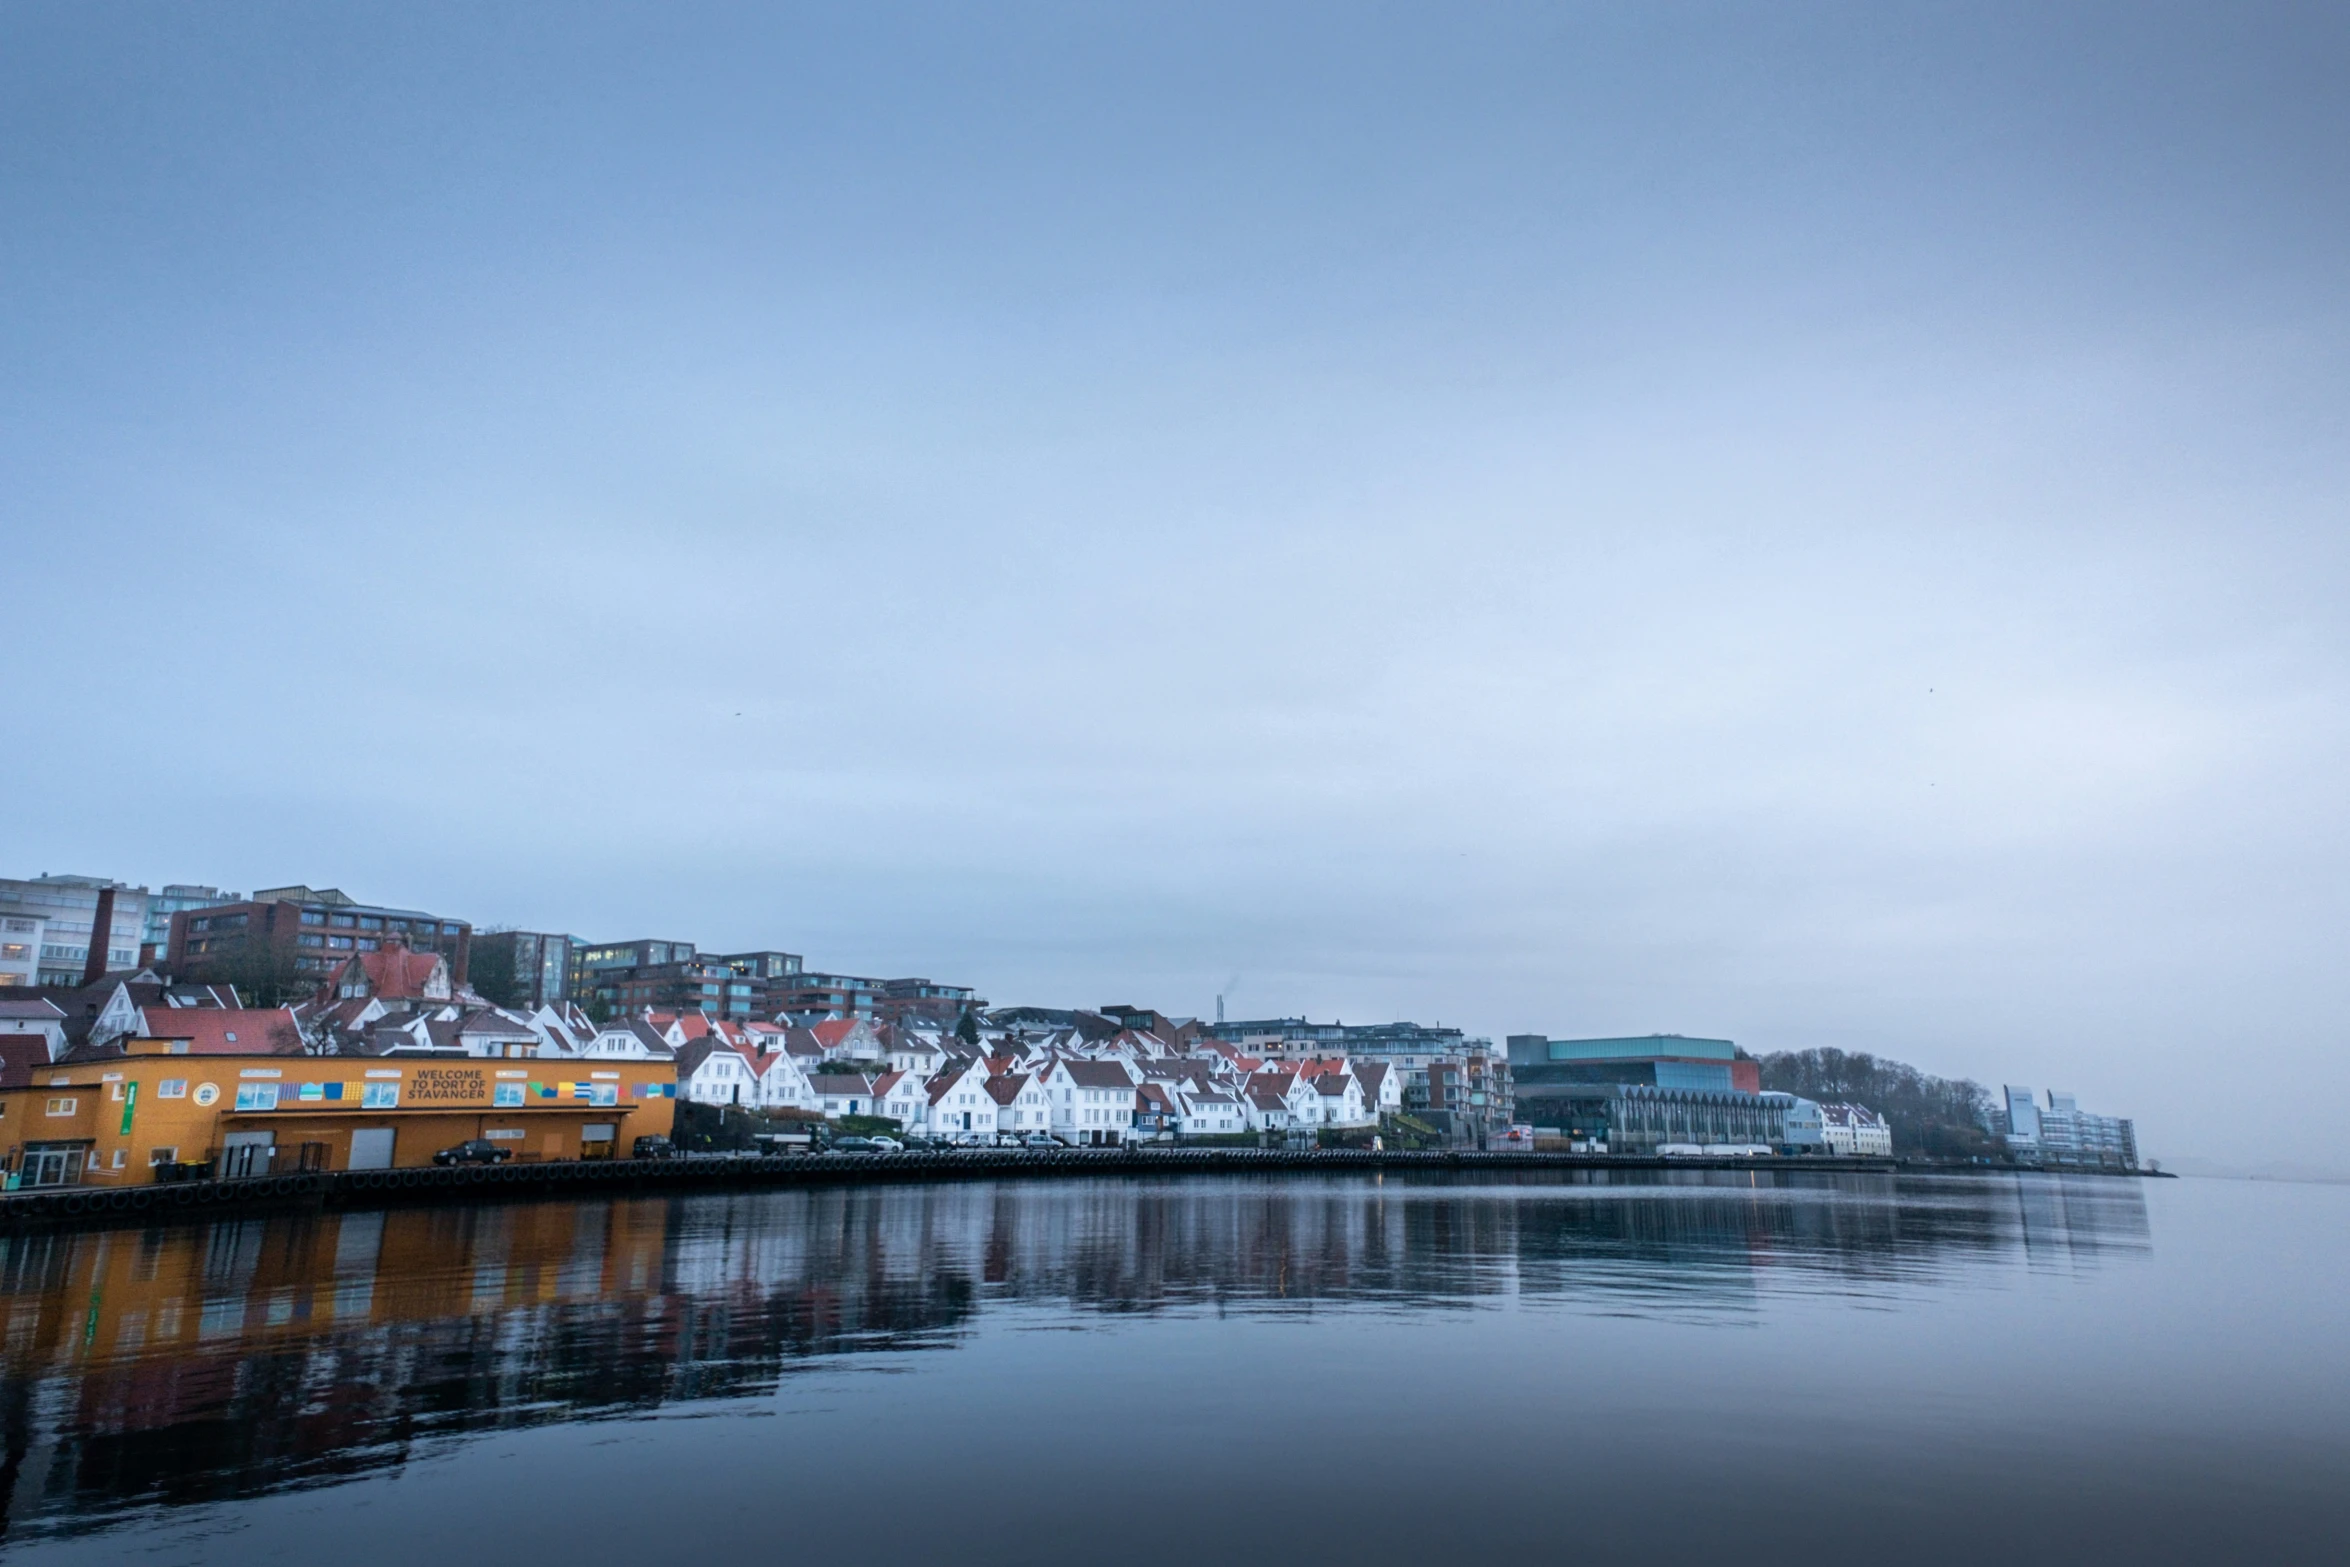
(490, 969)
(264, 973)
(1939, 1116)
(967, 1029)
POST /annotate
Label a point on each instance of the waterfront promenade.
(75, 1208)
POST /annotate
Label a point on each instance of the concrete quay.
(88, 1207)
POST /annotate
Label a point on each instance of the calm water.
(1686, 1368)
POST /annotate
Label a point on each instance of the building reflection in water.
(197, 1363)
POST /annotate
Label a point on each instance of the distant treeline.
(1930, 1115)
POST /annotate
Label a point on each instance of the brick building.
(310, 931)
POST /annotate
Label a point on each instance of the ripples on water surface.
(1379, 1370)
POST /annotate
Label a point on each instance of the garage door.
(371, 1148)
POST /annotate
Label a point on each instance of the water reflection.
(197, 1363)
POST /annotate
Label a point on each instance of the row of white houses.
(1110, 1097)
(1135, 1085)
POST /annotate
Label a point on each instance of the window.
(342, 922)
(257, 1096)
(119, 1155)
(507, 1096)
(15, 951)
(370, 922)
(172, 1088)
(313, 917)
(163, 1156)
(313, 941)
(60, 1107)
(339, 943)
(380, 1096)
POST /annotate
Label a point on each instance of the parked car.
(886, 1145)
(1042, 1140)
(474, 1150)
(653, 1146)
(1007, 1140)
(852, 1145)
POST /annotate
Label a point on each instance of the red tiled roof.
(219, 1031)
(394, 970)
(833, 1030)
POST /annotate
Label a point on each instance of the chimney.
(101, 938)
(463, 960)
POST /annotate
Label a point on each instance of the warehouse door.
(371, 1148)
(246, 1153)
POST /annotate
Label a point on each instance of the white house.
(783, 1084)
(563, 1030)
(903, 1097)
(39, 1016)
(1093, 1101)
(1382, 1087)
(631, 1039)
(849, 1039)
(1338, 1101)
(920, 1054)
(842, 1093)
(493, 1031)
(960, 1105)
(1301, 1102)
(1023, 1106)
(1855, 1129)
(712, 1072)
(1208, 1110)
(1267, 1110)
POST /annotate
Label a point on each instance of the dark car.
(853, 1145)
(474, 1150)
(653, 1146)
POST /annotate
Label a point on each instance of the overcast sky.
(1817, 527)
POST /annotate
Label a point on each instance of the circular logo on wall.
(206, 1093)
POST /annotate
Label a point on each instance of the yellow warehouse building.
(148, 1114)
